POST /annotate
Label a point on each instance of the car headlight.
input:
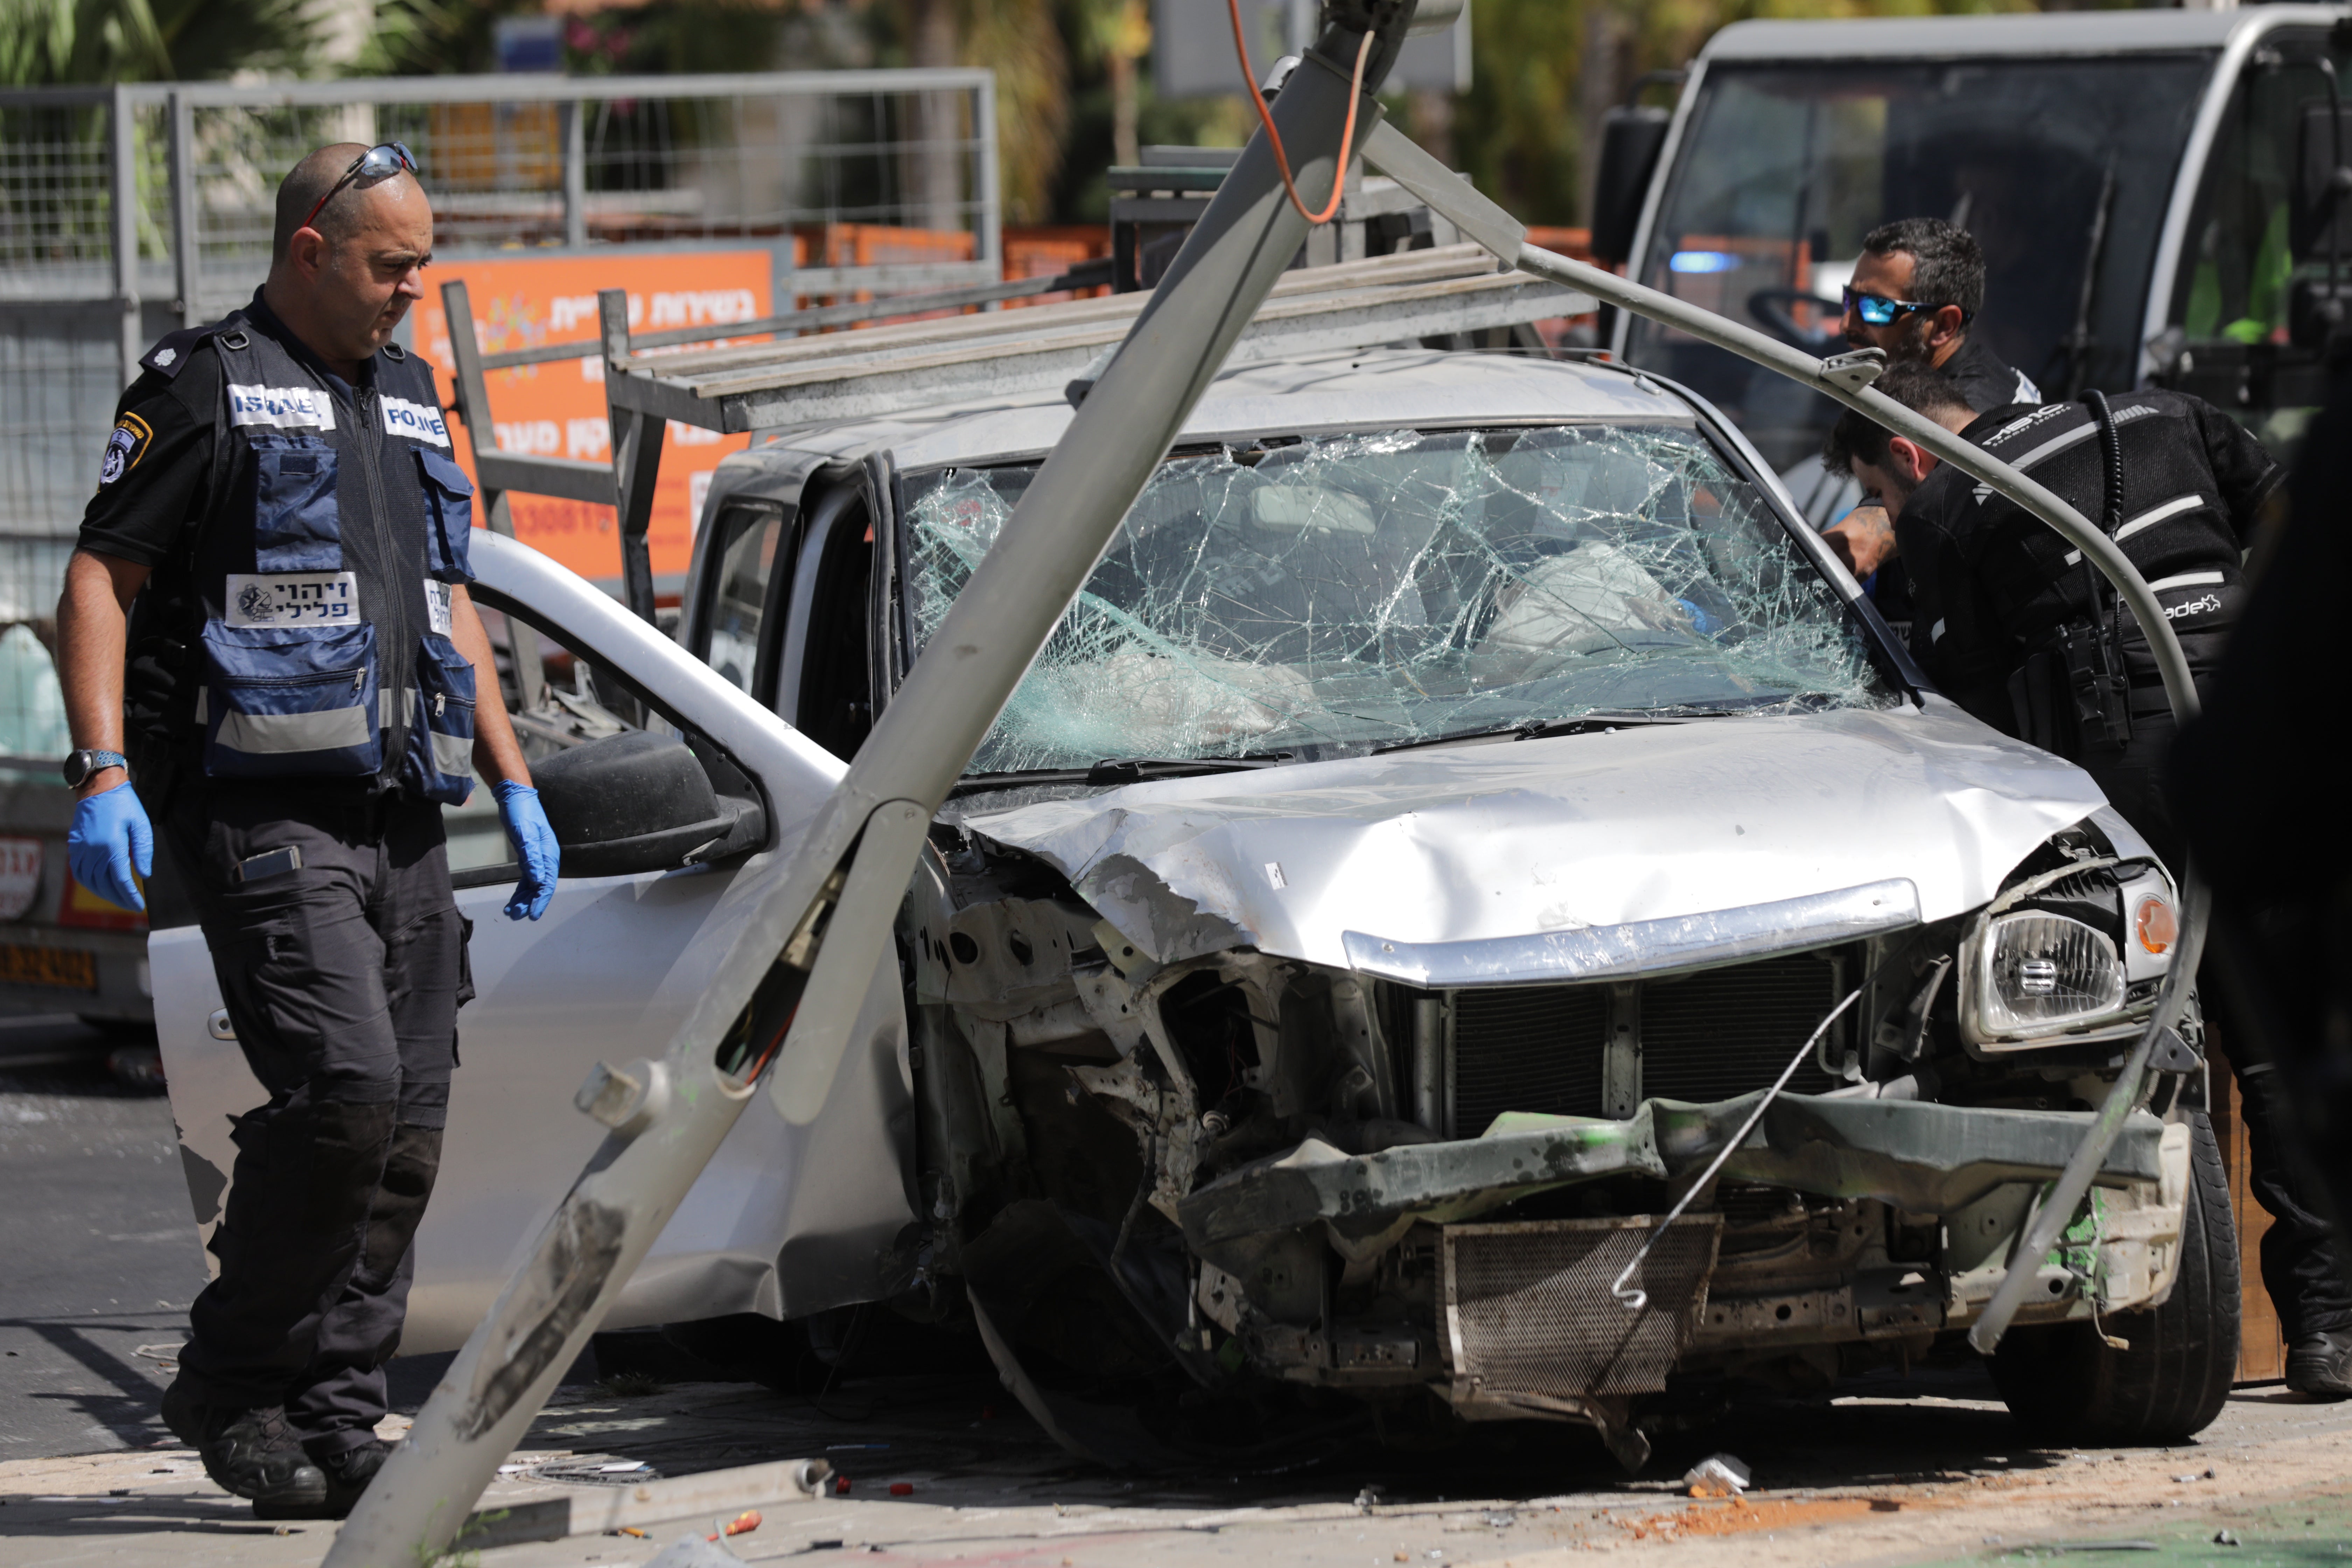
(2041, 973)
(2033, 975)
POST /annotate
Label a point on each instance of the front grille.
(1535, 1047)
(1728, 1031)
(1709, 1037)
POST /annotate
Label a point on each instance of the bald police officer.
(267, 639)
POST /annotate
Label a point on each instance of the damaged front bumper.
(1837, 1220)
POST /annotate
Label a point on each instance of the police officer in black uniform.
(2013, 624)
(293, 692)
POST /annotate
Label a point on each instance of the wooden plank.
(2261, 1344)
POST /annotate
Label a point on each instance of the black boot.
(250, 1453)
(2321, 1364)
(347, 1472)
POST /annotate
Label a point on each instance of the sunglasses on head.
(378, 163)
(1878, 310)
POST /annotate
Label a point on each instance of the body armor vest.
(325, 573)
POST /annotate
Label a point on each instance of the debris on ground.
(1718, 1475)
(741, 1524)
(694, 1552)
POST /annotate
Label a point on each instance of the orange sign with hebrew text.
(557, 409)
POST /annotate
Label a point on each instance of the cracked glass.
(1332, 595)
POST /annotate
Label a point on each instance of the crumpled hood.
(1493, 841)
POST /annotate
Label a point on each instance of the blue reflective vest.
(324, 572)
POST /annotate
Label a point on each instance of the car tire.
(2067, 1385)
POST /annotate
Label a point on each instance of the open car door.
(665, 780)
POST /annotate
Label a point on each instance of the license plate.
(64, 967)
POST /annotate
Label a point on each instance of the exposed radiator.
(1530, 1309)
(1709, 1037)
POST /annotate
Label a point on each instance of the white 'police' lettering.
(286, 407)
(418, 421)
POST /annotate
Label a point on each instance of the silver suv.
(1463, 791)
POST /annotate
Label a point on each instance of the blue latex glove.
(535, 847)
(111, 838)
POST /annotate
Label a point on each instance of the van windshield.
(1783, 168)
(1327, 596)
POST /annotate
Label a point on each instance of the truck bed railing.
(815, 377)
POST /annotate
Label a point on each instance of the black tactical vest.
(324, 575)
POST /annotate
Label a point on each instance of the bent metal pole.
(827, 912)
(1846, 378)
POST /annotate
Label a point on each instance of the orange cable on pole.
(1265, 118)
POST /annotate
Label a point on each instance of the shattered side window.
(1329, 595)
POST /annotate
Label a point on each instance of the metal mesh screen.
(685, 169)
(58, 382)
(54, 204)
(869, 182)
(1535, 1047)
(1728, 1031)
(1530, 1309)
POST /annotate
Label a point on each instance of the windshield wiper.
(1114, 770)
(1533, 730)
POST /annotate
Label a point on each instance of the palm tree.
(51, 43)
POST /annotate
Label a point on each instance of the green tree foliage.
(53, 43)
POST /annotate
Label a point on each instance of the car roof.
(2056, 33)
(1382, 389)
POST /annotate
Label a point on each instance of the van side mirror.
(1631, 138)
(2319, 201)
(2319, 225)
(639, 802)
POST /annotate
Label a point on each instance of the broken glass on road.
(1326, 596)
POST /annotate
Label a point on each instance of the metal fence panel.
(877, 180)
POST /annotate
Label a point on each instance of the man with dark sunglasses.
(1915, 293)
(266, 638)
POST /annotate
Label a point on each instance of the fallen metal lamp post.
(829, 914)
(807, 934)
(1847, 378)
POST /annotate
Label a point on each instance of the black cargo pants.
(342, 979)
(2302, 1254)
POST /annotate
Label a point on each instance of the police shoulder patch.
(125, 445)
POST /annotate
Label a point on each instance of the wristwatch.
(81, 765)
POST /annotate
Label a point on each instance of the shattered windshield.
(1327, 597)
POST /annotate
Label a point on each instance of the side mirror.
(2320, 203)
(1631, 138)
(639, 802)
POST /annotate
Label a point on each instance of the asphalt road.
(102, 1262)
(99, 1259)
(100, 1248)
